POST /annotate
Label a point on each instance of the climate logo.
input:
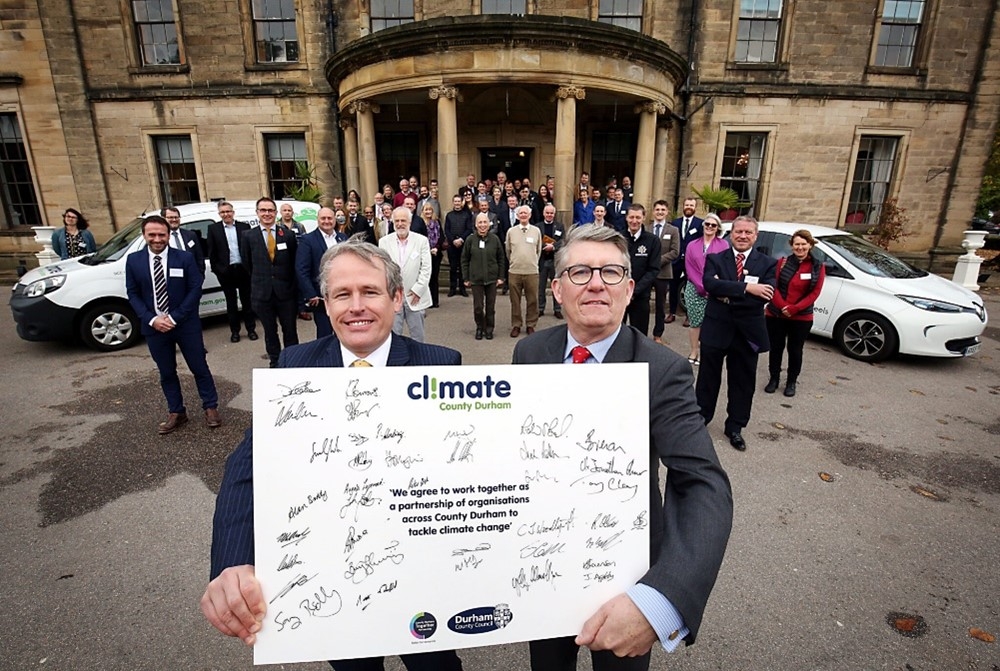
(423, 625)
(481, 620)
(432, 388)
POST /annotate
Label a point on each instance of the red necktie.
(739, 266)
(580, 354)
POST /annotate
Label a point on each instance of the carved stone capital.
(651, 107)
(577, 92)
(449, 92)
(347, 122)
(364, 106)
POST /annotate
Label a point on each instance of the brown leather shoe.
(531, 329)
(174, 420)
(670, 319)
(212, 418)
(516, 331)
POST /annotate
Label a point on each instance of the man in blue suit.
(362, 289)
(164, 287)
(312, 246)
(740, 281)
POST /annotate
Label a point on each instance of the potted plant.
(720, 201)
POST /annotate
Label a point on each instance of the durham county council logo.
(481, 620)
(423, 625)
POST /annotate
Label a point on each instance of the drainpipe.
(331, 36)
(686, 96)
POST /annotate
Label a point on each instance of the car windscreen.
(869, 259)
(113, 249)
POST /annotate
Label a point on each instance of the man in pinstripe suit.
(362, 288)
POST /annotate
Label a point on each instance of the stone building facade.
(812, 111)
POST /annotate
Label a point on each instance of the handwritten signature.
(558, 524)
(296, 390)
(462, 451)
(358, 572)
(323, 603)
(523, 582)
(292, 584)
(555, 428)
(590, 444)
(291, 413)
(326, 449)
(399, 460)
(354, 410)
(354, 390)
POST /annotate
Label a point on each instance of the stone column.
(447, 141)
(565, 162)
(352, 166)
(365, 111)
(643, 178)
(660, 161)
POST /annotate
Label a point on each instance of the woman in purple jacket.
(695, 296)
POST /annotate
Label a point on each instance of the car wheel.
(109, 327)
(866, 336)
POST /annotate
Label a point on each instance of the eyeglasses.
(708, 225)
(610, 274)
(266, 210)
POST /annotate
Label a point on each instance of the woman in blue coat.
(73, 239)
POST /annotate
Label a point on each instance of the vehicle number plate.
(971, 349)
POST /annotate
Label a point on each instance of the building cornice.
(831, 92)
(9, 79)
(496, 31)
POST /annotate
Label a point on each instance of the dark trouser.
(676, 286)
(455, 270)
(637, 313)
(435, 274)
(741, 366)
(559, 654)
(484, 304)
(546, 273)
(323, 327)
(660, 289)
(272, 313)
(445, 660)
(163, 348)
(236, 281)
(795, 332)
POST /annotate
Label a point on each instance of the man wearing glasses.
(691, 519)
(269, 255)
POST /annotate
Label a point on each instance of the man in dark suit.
(183, 239)
(164, 288)
(269, 255)
(690, 227)
(670, 249)
(362, 320)
(312, 246)
(227, 264)
(553, 232)
(457, 227)
(617, 210)
(739, 281)
(644, 253)
(690, 524)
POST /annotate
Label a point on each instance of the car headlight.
(44, 286)
(930, 304)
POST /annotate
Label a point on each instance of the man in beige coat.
(524, 246)
(413, 254)
(670, 249)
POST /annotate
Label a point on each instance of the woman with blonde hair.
(695, 296)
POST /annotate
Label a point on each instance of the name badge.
(558, 233)
(751, 279)
(692, 231)
(530, 241)
(805, 276)
(666, 236)
(282, 245)
(176, 272)
(413, 254)
(190, 243)
(482, 244)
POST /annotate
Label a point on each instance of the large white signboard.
(404, 510)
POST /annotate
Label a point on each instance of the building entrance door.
(514, 161)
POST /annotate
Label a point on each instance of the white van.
(85, 297)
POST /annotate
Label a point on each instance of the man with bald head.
(312, 246)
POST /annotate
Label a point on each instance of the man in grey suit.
(183, 239)
(691, 520)
(362, 289)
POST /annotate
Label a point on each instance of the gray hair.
(592, 233)
(367, 252)
(522, 207)
(746, 218)
(401, 208)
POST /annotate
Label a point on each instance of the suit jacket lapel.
(623, 348)
(399, 353)
(332, 358)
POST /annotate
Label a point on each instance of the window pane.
(390, 13)
(275, 31)
(742, 166)
(504, 7)
(757, 40)
(623, 13)
(871, 182)
(178, 176)
(17, 190)
(284, 151)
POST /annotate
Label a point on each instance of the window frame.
(265, 133)
(136, 64)
(610, 18)
(921, 45)
(402, 20)
(249, 24)
(902, 137)
(781, 45)
(151, 136)
(8, 207)
(766, 166)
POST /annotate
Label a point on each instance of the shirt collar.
(378, 359)
(598, 350)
